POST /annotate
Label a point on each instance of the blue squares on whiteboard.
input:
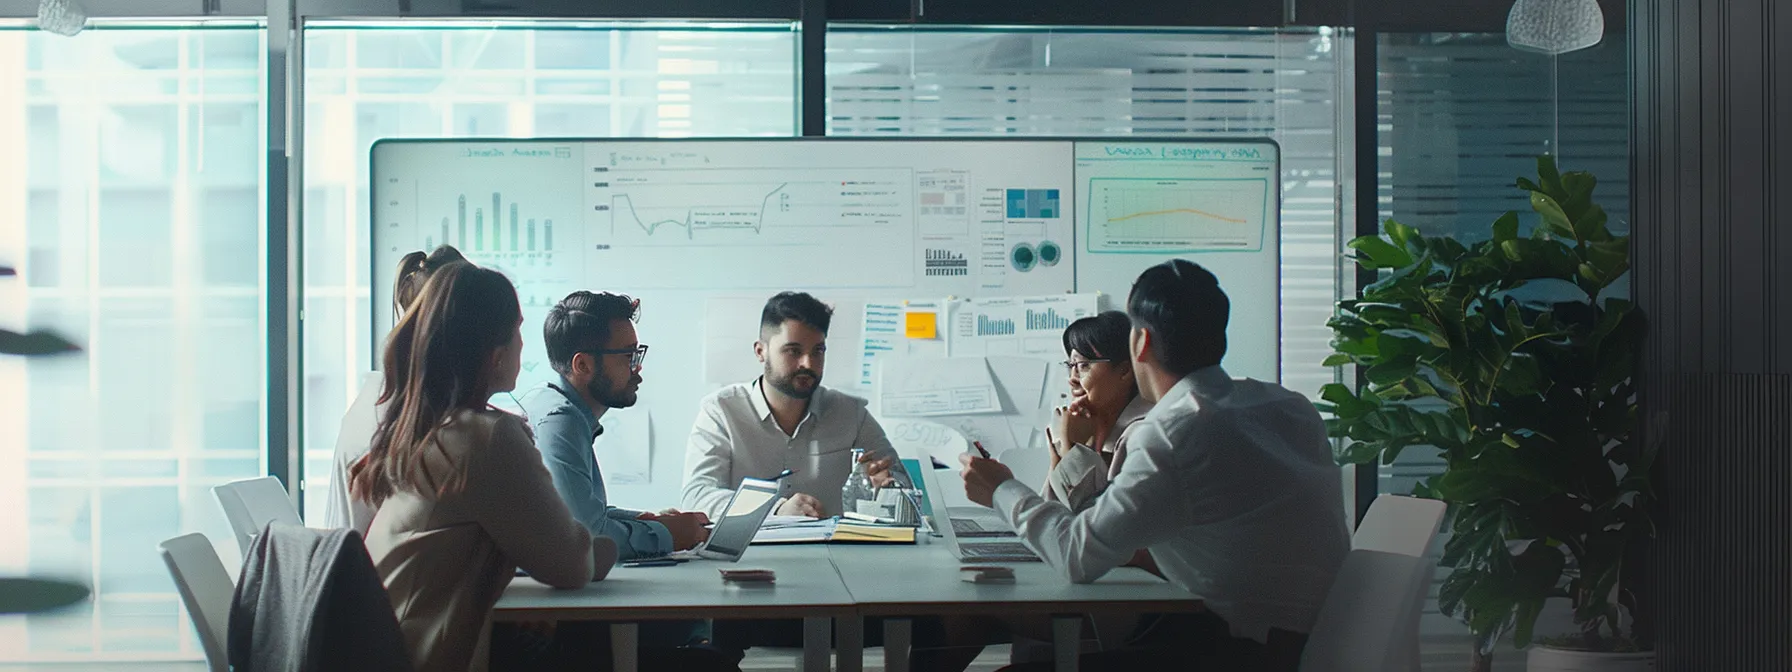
(1033, 204)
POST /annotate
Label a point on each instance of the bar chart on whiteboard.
(1031, 326)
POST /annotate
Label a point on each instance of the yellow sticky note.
(921, 325)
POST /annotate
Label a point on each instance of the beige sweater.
(446, 559)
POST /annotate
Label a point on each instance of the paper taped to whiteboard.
(937, 386)
(730, 327)
(625, 449)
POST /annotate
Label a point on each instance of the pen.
(651, 563)
(979, 445)
(787, 473)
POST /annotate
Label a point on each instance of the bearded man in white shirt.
(1229, 491)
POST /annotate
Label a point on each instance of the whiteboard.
(703, 231)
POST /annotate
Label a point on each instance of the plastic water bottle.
(858, 495)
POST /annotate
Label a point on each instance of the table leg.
(849, 643)
(625, 650)
(898, 640)
(1067, 636)
(816, 633)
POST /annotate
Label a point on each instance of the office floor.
(1438, 656)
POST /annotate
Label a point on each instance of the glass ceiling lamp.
(62, 17)
(1554, 26)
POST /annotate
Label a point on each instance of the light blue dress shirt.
(564, 431)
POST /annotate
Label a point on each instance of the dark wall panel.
(1711, 213)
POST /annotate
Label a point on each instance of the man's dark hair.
(797, 306)
(1103, 336)
(581, 323)
(1185, 310)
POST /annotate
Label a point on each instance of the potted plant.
(30, 595)
(1509, 357)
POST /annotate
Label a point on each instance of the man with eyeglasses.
(591, 343)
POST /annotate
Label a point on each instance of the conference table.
(832, 588)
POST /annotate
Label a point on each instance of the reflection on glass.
(142, 152)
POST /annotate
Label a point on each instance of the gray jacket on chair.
(310, 600)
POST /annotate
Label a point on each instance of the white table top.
(807, 585)
(927, 579)
(836, 580)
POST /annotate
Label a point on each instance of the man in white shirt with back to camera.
(1229, 491)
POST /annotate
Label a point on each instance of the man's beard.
(787, 384)
(600, 389)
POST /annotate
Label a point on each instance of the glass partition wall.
(1461, 117)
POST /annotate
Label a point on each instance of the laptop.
(976, 534)
(746, 510)
(730, 536)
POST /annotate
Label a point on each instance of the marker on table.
(979, 445)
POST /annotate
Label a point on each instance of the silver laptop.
(746, 510)
(976, 534)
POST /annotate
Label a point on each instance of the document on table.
(812, 532)
(937, 386)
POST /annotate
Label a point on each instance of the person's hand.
(686, 528)
(1074, 424)
(1097, 423)
(982, 477)
(878, 469)
(652, 515)
(801, 505)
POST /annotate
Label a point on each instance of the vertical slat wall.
(1713, 86)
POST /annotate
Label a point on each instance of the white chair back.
(206, 591)
(1363, 626)
(1399, 525)
(251, 504)
(1370, 620)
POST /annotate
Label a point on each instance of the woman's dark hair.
(413, 270)
(1107, 335)
(435, 365)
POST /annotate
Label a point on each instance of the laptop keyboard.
(965, 527)
(997, 550)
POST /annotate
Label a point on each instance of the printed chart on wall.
(1214, 203)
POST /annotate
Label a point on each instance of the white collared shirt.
(736, 437)
(1231, 485)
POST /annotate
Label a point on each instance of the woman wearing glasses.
(1088, 435)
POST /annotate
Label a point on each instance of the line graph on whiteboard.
(771, 207)
(1176, 215)
(787, 225)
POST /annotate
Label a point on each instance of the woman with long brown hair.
(362, 416)
(462, 497)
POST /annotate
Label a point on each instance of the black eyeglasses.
(638, 354)
(1082, 368)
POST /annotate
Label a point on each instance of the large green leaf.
(1549, 177)
(1378, 253)
(1402, 235)
(1554, 218)
(34, 344)
(1506, 227)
